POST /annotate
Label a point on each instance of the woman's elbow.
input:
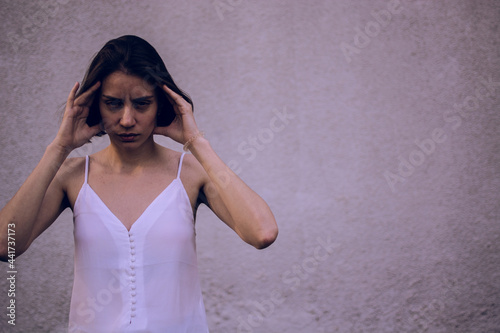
(266, 238)
(9, 252)
(4, 254)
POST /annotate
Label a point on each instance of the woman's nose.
(128, 118)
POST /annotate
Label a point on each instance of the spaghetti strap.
(180, 166)
(86, 168)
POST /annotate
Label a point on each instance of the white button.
(131, 238)
(132, 286)
(132, 266)
(133, 293)
(132, 252)
(134, 300)
(132, 245)
(132, 273)
(132, 314)
(133, 308)
(132, 259)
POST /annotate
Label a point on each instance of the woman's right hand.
(74, 131)
(40, 200)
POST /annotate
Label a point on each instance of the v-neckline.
(143, 212)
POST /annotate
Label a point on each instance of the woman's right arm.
(42, 197)
(35, 206)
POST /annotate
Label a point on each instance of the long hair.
(135, 56)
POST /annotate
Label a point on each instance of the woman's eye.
(114, 104)
(142, 105)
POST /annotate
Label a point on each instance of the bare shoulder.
(193, 177)
(71, 176)
(192, 169)
(70, 168)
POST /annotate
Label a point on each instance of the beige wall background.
(370, 127)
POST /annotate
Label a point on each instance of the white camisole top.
(142, 280)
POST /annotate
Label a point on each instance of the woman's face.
(128, 106)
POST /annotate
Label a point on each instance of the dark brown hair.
(135, 56)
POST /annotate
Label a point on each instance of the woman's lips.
(128, 137)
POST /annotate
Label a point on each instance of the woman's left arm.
(232, 200)
(227, 195)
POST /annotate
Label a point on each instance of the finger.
(88, 95)
(71, 96)
(94, 130)
(172, 95)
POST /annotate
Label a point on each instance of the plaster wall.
(370, 127)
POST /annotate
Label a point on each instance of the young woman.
(134, 202)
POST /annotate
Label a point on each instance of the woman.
(134, 202)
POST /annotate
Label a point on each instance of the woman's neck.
(126, 159)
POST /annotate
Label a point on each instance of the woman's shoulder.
(70, 176)
(73, 164)
(71, 168)
(192, 171)
(191, 163)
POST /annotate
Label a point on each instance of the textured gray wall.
(377, 234)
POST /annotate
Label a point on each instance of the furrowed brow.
(111, 97)
(142, 99)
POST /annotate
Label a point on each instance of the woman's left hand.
(225, 193)
(184, 126)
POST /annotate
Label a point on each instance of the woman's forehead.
(119, 84)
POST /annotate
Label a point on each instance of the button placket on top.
(132, 284)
